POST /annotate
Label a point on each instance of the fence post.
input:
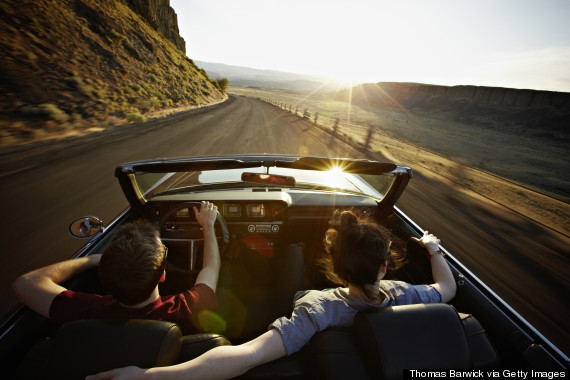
(368, 137)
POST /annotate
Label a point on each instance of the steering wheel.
(188, 232)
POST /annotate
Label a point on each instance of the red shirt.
(182, 308)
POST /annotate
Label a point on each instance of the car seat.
(85, 347)
(384, 341)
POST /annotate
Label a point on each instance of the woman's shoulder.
(400, 293)
(312, 296)
(335, 301)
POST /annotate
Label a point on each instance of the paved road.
(41, 193)
(65, 181)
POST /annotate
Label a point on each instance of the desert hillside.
(531, 111)
(71, 65)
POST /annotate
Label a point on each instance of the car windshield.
(154, 184)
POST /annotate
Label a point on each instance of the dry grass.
(451, 151)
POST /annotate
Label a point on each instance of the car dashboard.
(266, 211)
(261, 221)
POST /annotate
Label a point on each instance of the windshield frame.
(137, 196)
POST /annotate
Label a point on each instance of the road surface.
(45, 187)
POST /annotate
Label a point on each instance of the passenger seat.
(382, 342)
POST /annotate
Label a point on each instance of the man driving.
(130, 269)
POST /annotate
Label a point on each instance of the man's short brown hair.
(131, 266)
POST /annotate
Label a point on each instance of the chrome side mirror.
(85, 227)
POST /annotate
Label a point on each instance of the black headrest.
(86, 347)
(334, 354)
(422, 336)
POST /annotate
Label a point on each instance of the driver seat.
(86, 347)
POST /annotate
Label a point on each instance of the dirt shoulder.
(542, 209)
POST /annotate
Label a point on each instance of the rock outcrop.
(160, 15)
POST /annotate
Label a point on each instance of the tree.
(222, 83)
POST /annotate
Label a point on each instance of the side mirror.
(85, 227)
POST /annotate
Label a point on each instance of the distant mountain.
(545, 110)
(250, 77)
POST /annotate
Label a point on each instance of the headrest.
(422, 336)
(86, 347)
(334, 354)
(195, 345)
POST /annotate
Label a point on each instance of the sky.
(502, 43)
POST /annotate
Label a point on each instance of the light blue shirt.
(316, 310)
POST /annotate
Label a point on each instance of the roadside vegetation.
(526, 175)
(70, 67)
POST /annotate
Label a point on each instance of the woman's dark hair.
(131, 266)
(357, 249)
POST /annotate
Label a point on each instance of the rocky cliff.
(71, 65)
(160, 15)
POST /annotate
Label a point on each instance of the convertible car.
(266, 203)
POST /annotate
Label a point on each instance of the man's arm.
(441, 273)
(222, 362)
(210, 271)
(37, 289)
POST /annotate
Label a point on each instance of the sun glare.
(333, 177)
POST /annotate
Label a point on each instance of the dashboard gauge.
(232, 210)
(255, 210)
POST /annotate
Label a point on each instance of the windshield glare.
(151, 184)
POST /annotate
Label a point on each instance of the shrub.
(80, 85)
(222, 84)
(135, 117)
(107, 124)
(151, 102)
(117, 36)
(52, 112)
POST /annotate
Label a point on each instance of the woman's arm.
(222, 362)
(441, 273)
(37, 289)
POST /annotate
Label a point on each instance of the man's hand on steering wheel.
(206, 216)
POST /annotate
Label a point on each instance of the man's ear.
(163, 277)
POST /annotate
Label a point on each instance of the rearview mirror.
(85, 227)
(271, 179)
